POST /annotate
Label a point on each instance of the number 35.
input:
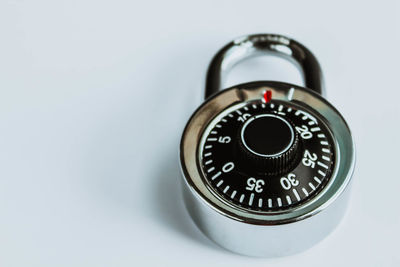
(256, 185)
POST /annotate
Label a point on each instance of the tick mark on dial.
(216, 176)
(322, 164)
(326, 158)
(279, 201)
(269, 203)
(326, 150)
(251, 199)
(210, 169)
(226, 189)
(296, 194)
(305, 192)
(288, 199)
(311, 185)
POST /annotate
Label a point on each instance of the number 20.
(304, 132)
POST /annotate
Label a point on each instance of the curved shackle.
(264, 44)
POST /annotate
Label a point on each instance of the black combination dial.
(267, 156)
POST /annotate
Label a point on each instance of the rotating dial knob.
(268, 143)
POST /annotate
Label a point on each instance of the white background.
(94, 96)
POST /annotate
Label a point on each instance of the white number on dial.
(224, 139)
(289, 181)
(309, 159)
(304, 132)
(244, 117)
(228, 167)
(256, 185)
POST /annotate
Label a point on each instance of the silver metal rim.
(344, 146)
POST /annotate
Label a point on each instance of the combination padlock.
(266, 165)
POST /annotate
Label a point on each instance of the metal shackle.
(263, 44)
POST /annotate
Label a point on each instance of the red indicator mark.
(267, 96)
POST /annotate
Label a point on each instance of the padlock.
(266, 165)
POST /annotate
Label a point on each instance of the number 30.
(290, 181)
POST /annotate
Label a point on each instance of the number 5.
(225, 139)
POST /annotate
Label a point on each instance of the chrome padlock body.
(265, 226)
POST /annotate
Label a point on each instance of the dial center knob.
(268, 144)
(267, 135)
